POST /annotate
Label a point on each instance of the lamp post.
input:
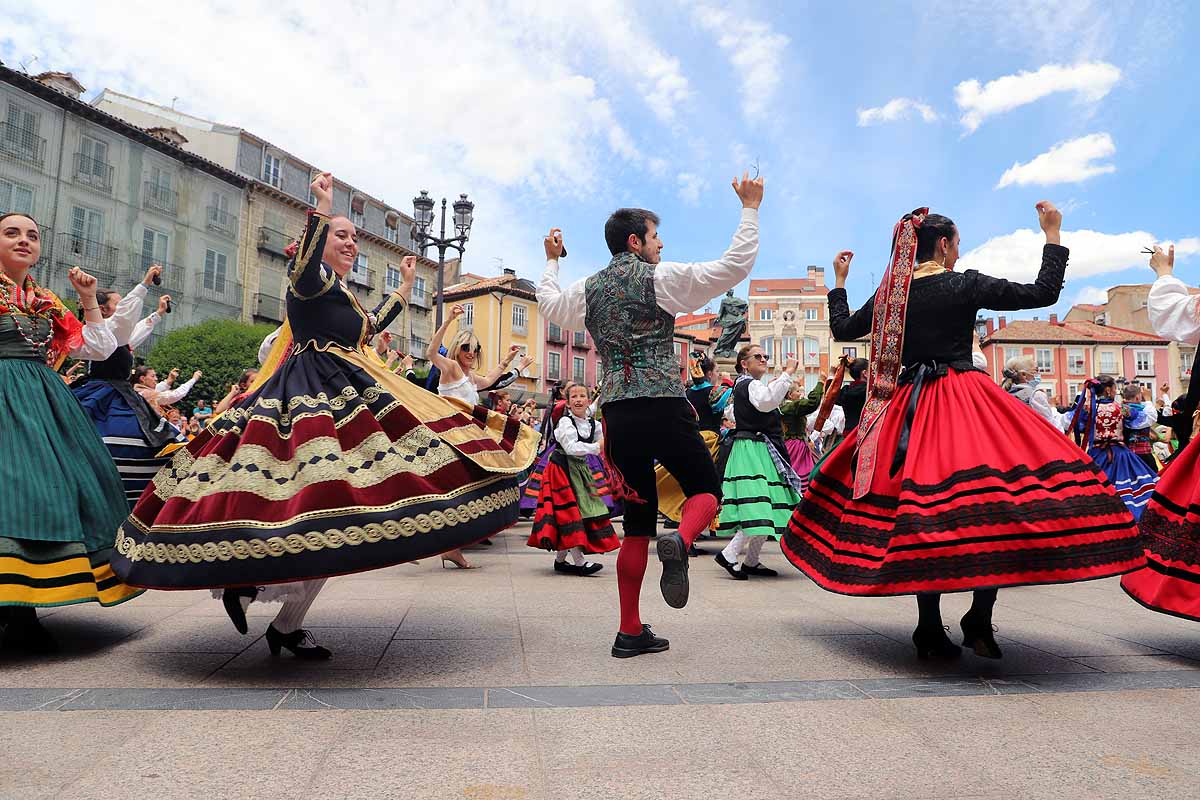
(423, 216)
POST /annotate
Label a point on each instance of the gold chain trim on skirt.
(315, 541)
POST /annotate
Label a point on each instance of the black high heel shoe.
(934, 644)
(295, 642)
(232, 600)
(978, 637)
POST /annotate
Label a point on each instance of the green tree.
(220, 348)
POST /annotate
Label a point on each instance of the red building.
(1069, 352)
(568, 356)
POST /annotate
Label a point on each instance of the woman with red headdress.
(902, 506)
(1170, 525)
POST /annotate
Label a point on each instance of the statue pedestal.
(726, 364)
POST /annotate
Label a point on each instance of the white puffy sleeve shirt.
(1174, 311)
(567, 435)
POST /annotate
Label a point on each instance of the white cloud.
(691, 186)
(1091, 295)
(1089, 81)
(899, 108)
(1066, 162)
(1018, 255)
(754, 48)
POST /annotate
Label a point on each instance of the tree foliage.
(220, 348)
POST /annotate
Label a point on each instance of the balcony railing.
(21, 144)
(361, 277)
(273, 241)
(172, 274)
(420, 299)
(221, 221)
(418, 347)
(268, 307)
(555, 335)
(581, 341)
(218, 288)
(93, 173)
(93, 257)
(160, 198)
(520, 330)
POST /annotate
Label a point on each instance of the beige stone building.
(277, 199)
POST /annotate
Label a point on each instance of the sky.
(552, 113)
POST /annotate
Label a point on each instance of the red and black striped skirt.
(558, 523)
(989, 495)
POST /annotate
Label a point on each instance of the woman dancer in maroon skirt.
(903, 506)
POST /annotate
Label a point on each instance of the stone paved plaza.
(498, 684)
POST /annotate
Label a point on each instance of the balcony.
(361, 277)
(581, 341)
(273, 241)
(93, 257)
(418, 347)
(268, 307)
(555, 335)
(93, 173)
(218, 288)
(21, 145)
(172, 274)
(160, 198)
(221, 221)
(420, 299)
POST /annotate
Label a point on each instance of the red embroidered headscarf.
(887, 344)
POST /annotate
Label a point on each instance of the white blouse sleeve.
(771, 396)
(98, 343)
(142, 331)
(1174, 312)
(124, 320)
(682, 288)
(567, 436)
(1042, 406)
(565, 307)
(174, 395)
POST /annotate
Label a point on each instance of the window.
(1045, 361)
(1108, 362)
(553, 366)
(468, 317)
(93, 161)
(789, 346)
(765, 314)
(520, 319)
(271, 173)
(1076, 365)
(359, 273)
(850, 352)
(768, 346)
(1187, 355)
(577, 369)
(358, 212)
(1011, 352)
(214, 271)
(21, 132)
(812, 352)
(391, 278)
(154, 248)
(1072, 392)
(16, 196)
(391, 228)
(87, 232)
(810, 313)
(1143, 362)
(554, 333)
(581, 338)
(418, 291)
(160, 178)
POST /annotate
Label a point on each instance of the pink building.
(568, 356)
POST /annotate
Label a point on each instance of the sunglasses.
(466, 348)
(761, 357)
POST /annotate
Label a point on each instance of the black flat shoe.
(24, 632)
(934, 645)
(300, 643)
(759, 570)
(731, 568)
(589, 568)
(978, 637)
(232, 600)
(627, 646)
(565, 568)
(674, 582)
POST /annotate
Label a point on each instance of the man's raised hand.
(750, 192)
(554, 244)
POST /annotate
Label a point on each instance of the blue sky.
(552, 113)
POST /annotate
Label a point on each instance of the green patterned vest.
(635, 339)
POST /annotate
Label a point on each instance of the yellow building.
(502, 312)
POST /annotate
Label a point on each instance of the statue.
(732, 321)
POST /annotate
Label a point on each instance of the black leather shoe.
(933, 644)
(759, 570)
(23, 631)
(300, 643)
(589, 568)
(731, 568)
(672, 552)
(565, 568)
(232, 600)
(670, 524)
(978, 636)
(627, 646)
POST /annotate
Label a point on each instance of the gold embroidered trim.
(316, 541)
(305, 254)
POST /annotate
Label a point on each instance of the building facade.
(112, 197)
(277, 200)
(1067, 353)
(568, 356)
(502, 312)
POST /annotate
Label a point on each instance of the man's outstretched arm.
(568, 307)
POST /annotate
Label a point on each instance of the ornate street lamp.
(464, 211)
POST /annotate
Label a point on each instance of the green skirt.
(754, 498)
(584, 486)
(66, 500)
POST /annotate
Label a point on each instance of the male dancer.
(629, 308)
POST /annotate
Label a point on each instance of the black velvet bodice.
(117, 367)
(942, 308)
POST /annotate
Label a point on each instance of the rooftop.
(1080, 332)
(507, 283)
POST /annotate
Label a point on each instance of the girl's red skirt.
(557, 523)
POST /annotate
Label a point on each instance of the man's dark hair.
(857, 367)
(932, 229)
(623, 222)
(103, 295)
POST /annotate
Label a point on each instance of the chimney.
(1054, 319)
(991, 326)
(1003, 322)
(510, 271)
(61, 81)
(169, 135)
